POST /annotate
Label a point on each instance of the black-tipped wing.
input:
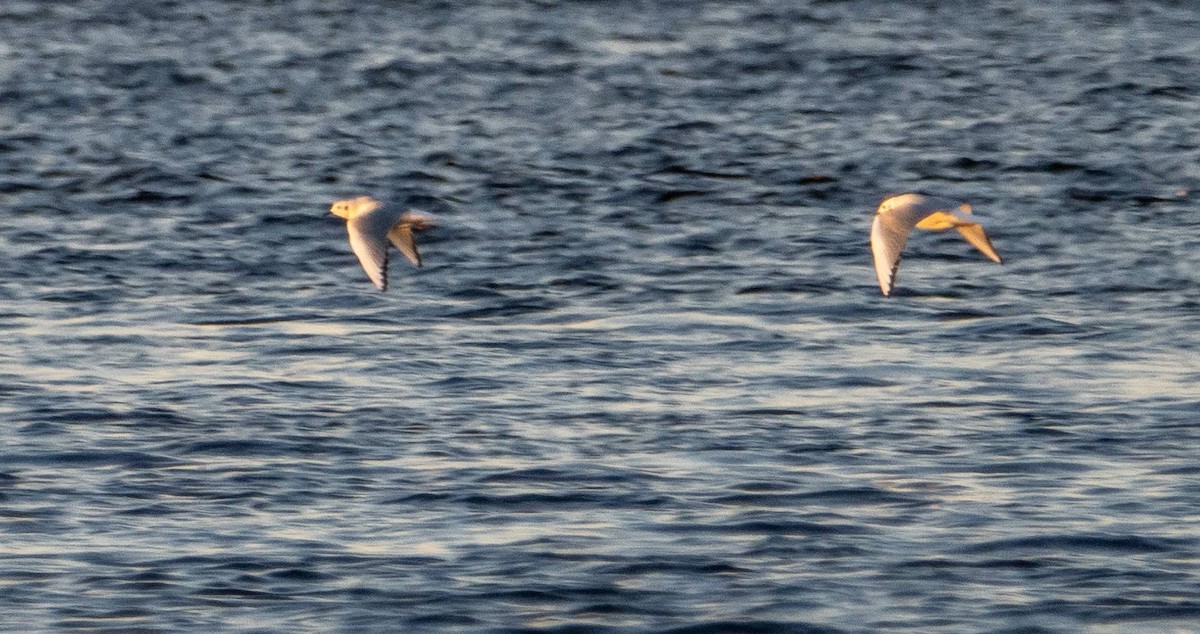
(889, 233)
(402, 237)
(369, 239)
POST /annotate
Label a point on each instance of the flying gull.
(896, 217)
(371, 226)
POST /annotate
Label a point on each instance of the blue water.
(645, 381)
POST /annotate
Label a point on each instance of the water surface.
(645, 381)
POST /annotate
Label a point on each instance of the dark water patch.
(445, 619)
(812, 450)
(767, 413)
(422, 498)
(32, 522)
(810, 382)
(149, 510)
(1133, 611)
(595, 282)
(792, 286)
(104, 625)
(1109, 610)
(133, 460)
(782, 527)
(1014, 467)
(557, 476)
(86, 302)
(225, 595)
(800, 500)
(233, 447)
(154, 416)
(679, 170)
(1008, 327)
(665, 566)
(671, 195)
(299, 575)
(468, 384)
(753, 627)
(855, 496)
(1182, 470)
(1051, 167)
(965, 315)
(1115, 544)
(509, 307)
(941, 563)
(41, 429)
(1095, 195)
(536, 502)
(569, 628)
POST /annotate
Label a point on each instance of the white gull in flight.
(371, 226)
(896, 217)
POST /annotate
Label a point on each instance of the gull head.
(353, 207)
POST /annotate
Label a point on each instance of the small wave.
(1123, 544)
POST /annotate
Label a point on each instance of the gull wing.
(418, 220)
(403, 234)
(402, 237)
(974, 234)
(889, 233)
(369, 239)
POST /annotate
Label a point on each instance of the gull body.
(372, 226)
(898, 215)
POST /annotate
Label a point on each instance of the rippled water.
(645, 381)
